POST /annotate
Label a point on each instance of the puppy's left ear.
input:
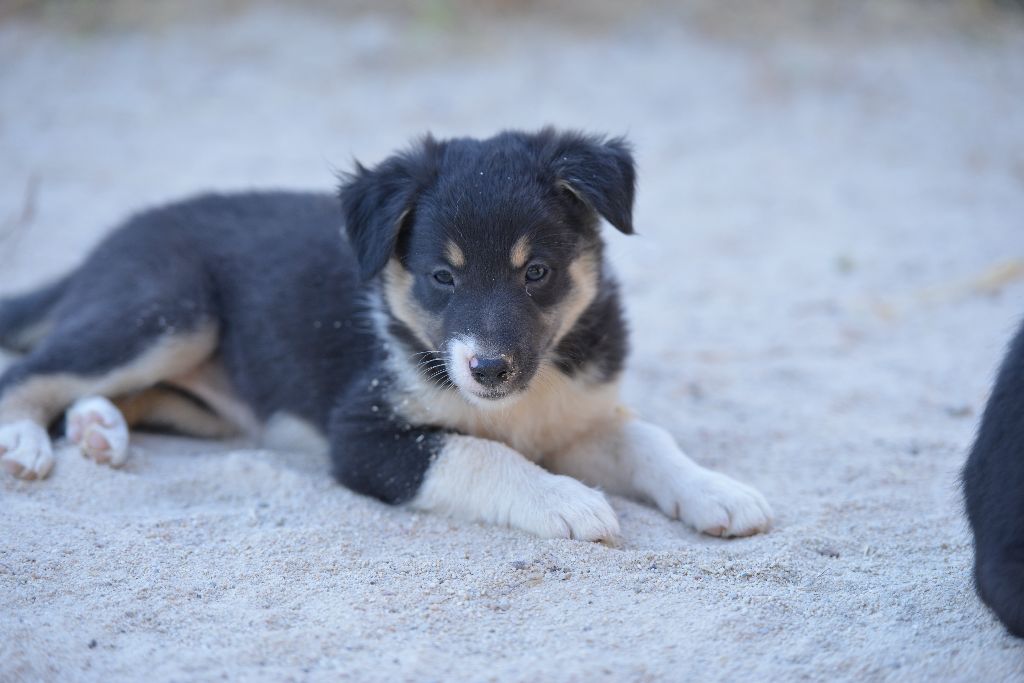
(598, 172)
(378, 203)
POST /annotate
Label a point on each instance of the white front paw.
(714, 504)
(25, 450)
(97, 427)
(561, 507)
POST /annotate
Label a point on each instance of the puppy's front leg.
(430, 468)
(637, 459)
(487, 481)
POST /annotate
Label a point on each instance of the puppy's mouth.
(487, 396)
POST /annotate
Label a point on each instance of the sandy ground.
(830, 264)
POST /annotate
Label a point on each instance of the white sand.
(818, 309)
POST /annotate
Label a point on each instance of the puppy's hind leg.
(168, 408)
(99, 426)
(25, 449)
(99, 430)
(90, 358)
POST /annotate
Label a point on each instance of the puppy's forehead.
(501, 238)
(492, 205)
(484, 182)
(506, 201)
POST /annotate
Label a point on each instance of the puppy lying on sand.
(450, 331)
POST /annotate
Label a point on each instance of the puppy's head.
(489, 249)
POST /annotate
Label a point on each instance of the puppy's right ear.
(377, 203)
(598, 172)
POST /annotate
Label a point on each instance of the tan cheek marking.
(520, 252)
(584, 274)
(454, 254)
(398, 284)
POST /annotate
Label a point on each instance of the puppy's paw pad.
(25, 450)
(719, 506)
(565, 508)
(97, 427)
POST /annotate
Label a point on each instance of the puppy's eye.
(444, 277)
(536, 273)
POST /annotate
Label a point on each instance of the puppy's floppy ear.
(377, 203)
(598, 171)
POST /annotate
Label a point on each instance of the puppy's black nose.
(490, 372)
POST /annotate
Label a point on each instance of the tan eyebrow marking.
(454, 254)
(520, 252)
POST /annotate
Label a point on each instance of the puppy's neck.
(553, 411)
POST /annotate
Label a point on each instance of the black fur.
(600, 340)
(20, 313)
(293, 300)
(375, 450)
(601, 173)
(993, 480)
(378, 202)
(268, 268)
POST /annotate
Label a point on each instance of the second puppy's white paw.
(97, 427)
(25, 450)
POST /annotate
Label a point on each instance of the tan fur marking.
(553, 413)
(584, 274)
(163, 408)
(42, 397)
(454, 255)
(398, 293)
(520, 252)
(567, 186)
(209, 381)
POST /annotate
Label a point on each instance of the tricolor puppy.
(456, 345)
